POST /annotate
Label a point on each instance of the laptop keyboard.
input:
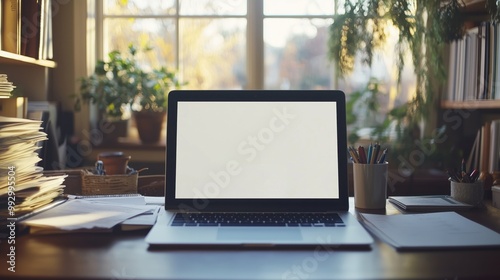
(258, 219)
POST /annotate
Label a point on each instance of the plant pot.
(115, 163)
(149, 125)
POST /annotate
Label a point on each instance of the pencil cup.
(370, 185)
(470, 193)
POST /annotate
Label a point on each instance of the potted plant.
(111, 88)
(150, 104)
(120, 84)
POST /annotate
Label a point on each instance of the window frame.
(255, 63)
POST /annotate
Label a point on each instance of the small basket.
(109, 184)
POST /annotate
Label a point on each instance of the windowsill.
(132, 141)
(133, 146)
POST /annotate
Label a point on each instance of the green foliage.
(120, 81)
(491, 6)
(452, 14)
(154, 88)
(368, 100)
(423, 28)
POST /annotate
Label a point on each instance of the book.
(30, 27)
(45, 45)
(11, 27)
(428, 203)
(494, 157)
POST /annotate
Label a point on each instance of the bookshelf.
(17, 59)
(473, 89)
(27, 46)
(30, 76)
(471, 104)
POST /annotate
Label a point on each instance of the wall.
(70, 52)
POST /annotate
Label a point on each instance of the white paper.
(155, 200)
(430, 230)
(82, 214)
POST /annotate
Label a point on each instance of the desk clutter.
(30, 196)
(99, 213)
(24, 187)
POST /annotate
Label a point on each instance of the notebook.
(256, 168)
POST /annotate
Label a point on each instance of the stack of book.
(6, 87)
(23, 186)
(16, 107)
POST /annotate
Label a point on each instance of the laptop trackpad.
(268, 233)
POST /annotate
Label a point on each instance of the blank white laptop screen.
(257, 150)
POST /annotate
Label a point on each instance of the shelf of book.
(471, 104)
(12, 58)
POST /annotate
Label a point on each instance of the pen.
(374, 155)
(376, 150)
(369, 157)
(452, 176)
(474, 175)
(382, 157)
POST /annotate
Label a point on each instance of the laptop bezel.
(245, 205)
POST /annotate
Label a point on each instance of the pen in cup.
(372, 156)
(461, 176)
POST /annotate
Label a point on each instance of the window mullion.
(255, 44)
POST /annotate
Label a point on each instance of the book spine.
(11, 26)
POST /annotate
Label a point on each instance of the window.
(253, 44)
(227, 44)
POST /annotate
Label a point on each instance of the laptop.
(256, 168)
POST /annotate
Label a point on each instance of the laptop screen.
(255, 148)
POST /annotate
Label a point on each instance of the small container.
(495, 190)
(115, 163)
(470, 193)
(370, 185)
(108, 184)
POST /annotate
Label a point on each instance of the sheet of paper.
(144, 220)
(81, 214)
(117, 200)
(430, 230)
(155, 200)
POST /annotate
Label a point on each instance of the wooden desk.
(126, 256)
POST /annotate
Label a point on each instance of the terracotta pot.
(114, 162)
(149, 125)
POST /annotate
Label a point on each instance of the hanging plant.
(452, 14)
(492, 7)
(361, 30)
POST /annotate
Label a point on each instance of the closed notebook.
(428, 203)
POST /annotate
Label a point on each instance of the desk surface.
(125, 255)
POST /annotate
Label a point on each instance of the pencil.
(353, 154)
(375, 153)
(362, 154)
